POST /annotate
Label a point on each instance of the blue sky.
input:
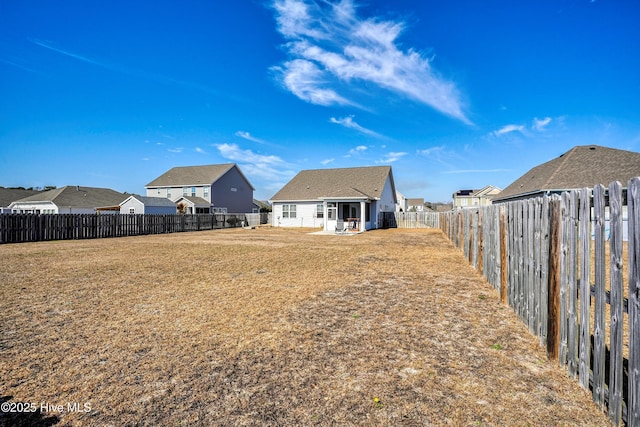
(452, 94)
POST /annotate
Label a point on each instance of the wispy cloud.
(123, 69)
(349, 123)
(358, 149)
(327, 161)
(332, 49)
(537, 126)
(200, 150)
(263, 166)
(392, 157)
(249, 137)
(175, 150)
(508, 129)
(541, 124)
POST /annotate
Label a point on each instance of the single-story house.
(475, 198)
(8, 195)
(194, 204)
(415, 204)
(136, 204)
(69, 199)
(582, 166)
(219, 188)
(324, 197)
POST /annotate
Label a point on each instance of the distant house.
(260, 206)
(323, 197)
(203, 189)
(136, 204)
(8, 195)
(415, 204)
(474, 198)
(70, 199)
(401, 206)
(582, 166)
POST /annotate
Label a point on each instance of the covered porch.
(353, 215)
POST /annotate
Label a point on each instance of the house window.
(288, 211)
(132, 210)
(185, 191)
(206, 192)
(168, 193)
(319, 210)
(220, 210)
(193, 191)
(159, 191)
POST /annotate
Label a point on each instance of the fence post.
(553, 321)
(616, 328)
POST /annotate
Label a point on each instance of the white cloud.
(358, 149)
(264, 167)
(200, 150)
(349, 123)
(540, 124)
(327, 161)
(332, 47)
(392, 157)
(249, 137)
(175, 150)
(508, 129)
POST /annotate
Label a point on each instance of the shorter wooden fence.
(410, 220)
(18, 228)
(574, 285)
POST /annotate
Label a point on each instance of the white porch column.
(325, 215)
(363, 216)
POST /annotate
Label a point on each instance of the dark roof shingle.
(582, 166)
(358, 183)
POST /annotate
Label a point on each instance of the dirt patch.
(270, 327)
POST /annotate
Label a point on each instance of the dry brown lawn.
(270, 327)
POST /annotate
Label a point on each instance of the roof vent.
(592, 148)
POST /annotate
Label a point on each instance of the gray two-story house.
(205, 189)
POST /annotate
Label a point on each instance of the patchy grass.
(270, 327)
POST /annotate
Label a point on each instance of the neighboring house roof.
(415, 202)
(486, 191)
(77, 197)
(196, 201)
(260, 204)
(344, 183)
(194, 175)
(150, 201)
(582, 166)
(8, 195)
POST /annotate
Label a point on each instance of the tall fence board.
(18, 228)
(559, 262)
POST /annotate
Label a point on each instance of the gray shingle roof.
(78, 197)
(193, 175)
(8, 195)
(154, 201)
(358, 183)
(582, 166)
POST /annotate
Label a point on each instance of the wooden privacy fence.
(17, 228)
(562, 263)
(411, 219)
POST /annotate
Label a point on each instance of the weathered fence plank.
(599, 300)
(633, 206)
(17, 228)
(616, 362)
